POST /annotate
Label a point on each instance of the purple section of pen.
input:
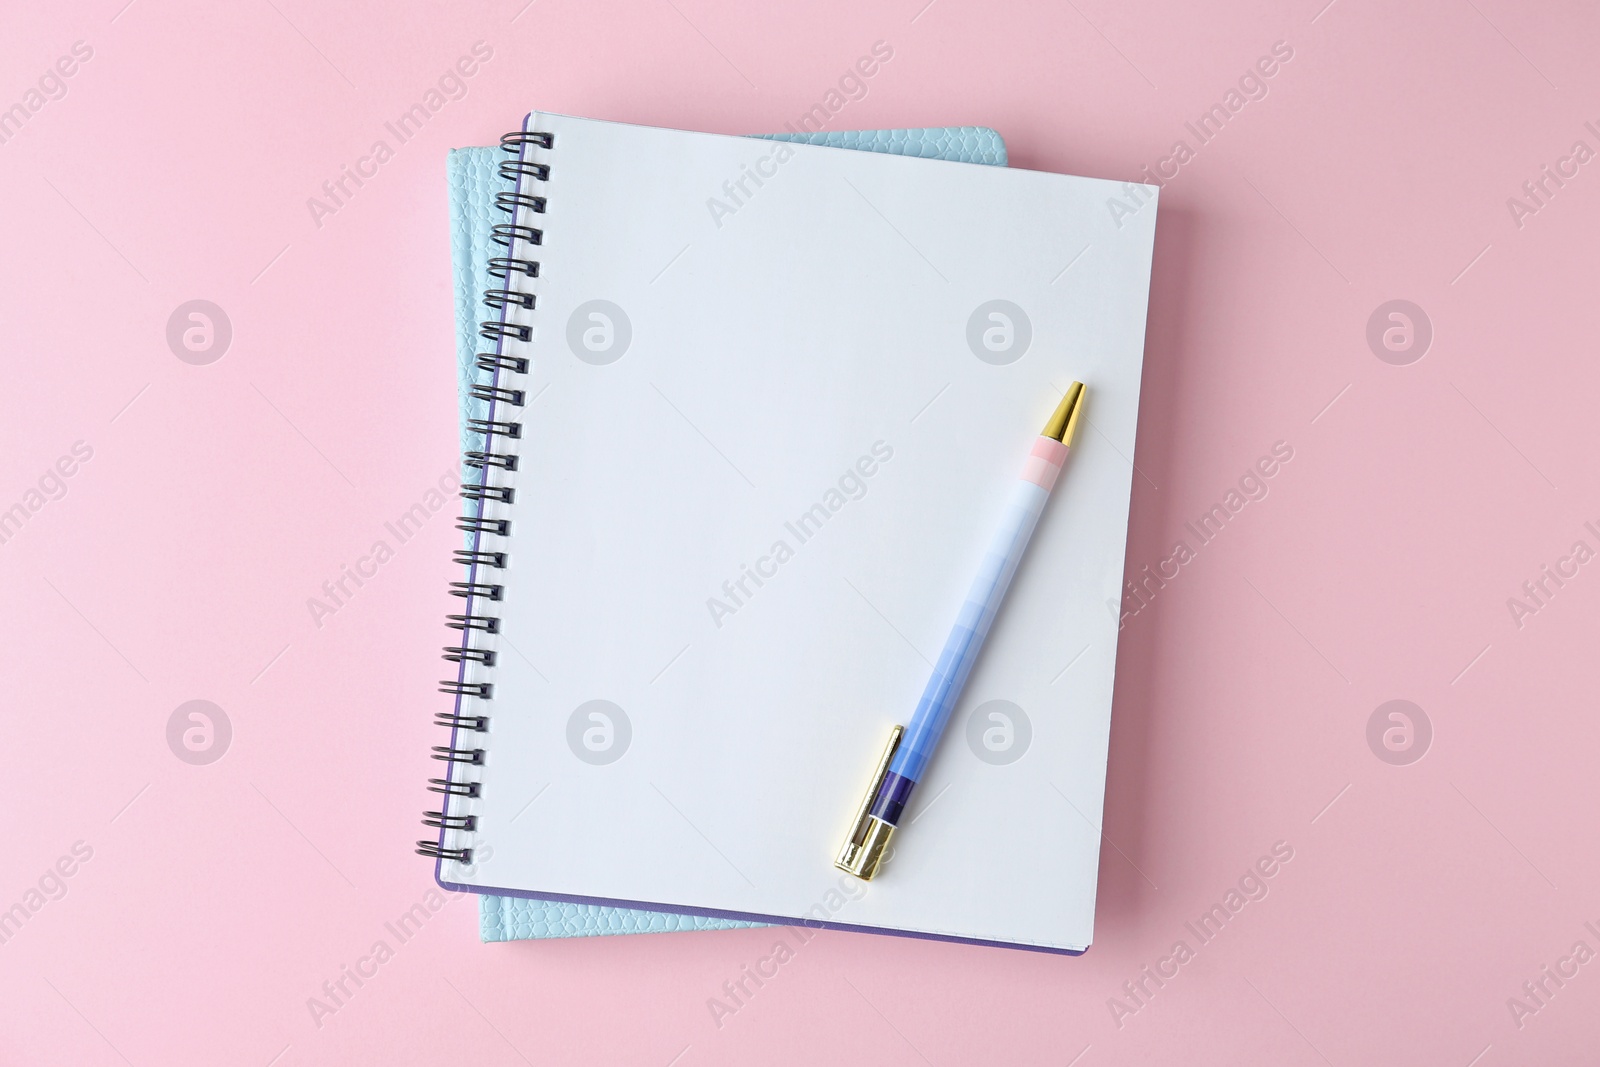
(971, 627)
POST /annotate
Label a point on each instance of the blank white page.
(805, 383)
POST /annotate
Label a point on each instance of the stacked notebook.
(474, 182)
(691, 342)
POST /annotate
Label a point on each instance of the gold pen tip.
(1064, 423)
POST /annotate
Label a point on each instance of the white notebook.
(773, 400)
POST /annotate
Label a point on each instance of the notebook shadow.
(1130, 872)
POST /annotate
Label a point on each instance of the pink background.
(219, 498)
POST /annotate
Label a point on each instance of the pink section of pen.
(1044, 463)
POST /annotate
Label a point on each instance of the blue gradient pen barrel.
(904, 761)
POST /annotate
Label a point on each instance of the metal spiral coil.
(484, 690)
(503, 493)
(493, 361)
(499, 331)
(504, 233)
(493, 462)
(473, 756)
(494, 392)
(500, 298)
(502, 266)
(436, 851)
(468, 590)
(477, 524)
(514, 170)
(492, 459)
(512, 201)
(492, 428)
(474, 557)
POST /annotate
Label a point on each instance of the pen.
(906, 755)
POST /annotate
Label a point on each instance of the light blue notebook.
(474, 181)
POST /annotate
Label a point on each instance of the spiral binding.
(498, 426)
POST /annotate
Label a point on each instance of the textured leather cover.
(473, 181)
(963, 144)
(527, 918)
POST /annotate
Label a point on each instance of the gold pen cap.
(1064, 423)
(864, 849)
